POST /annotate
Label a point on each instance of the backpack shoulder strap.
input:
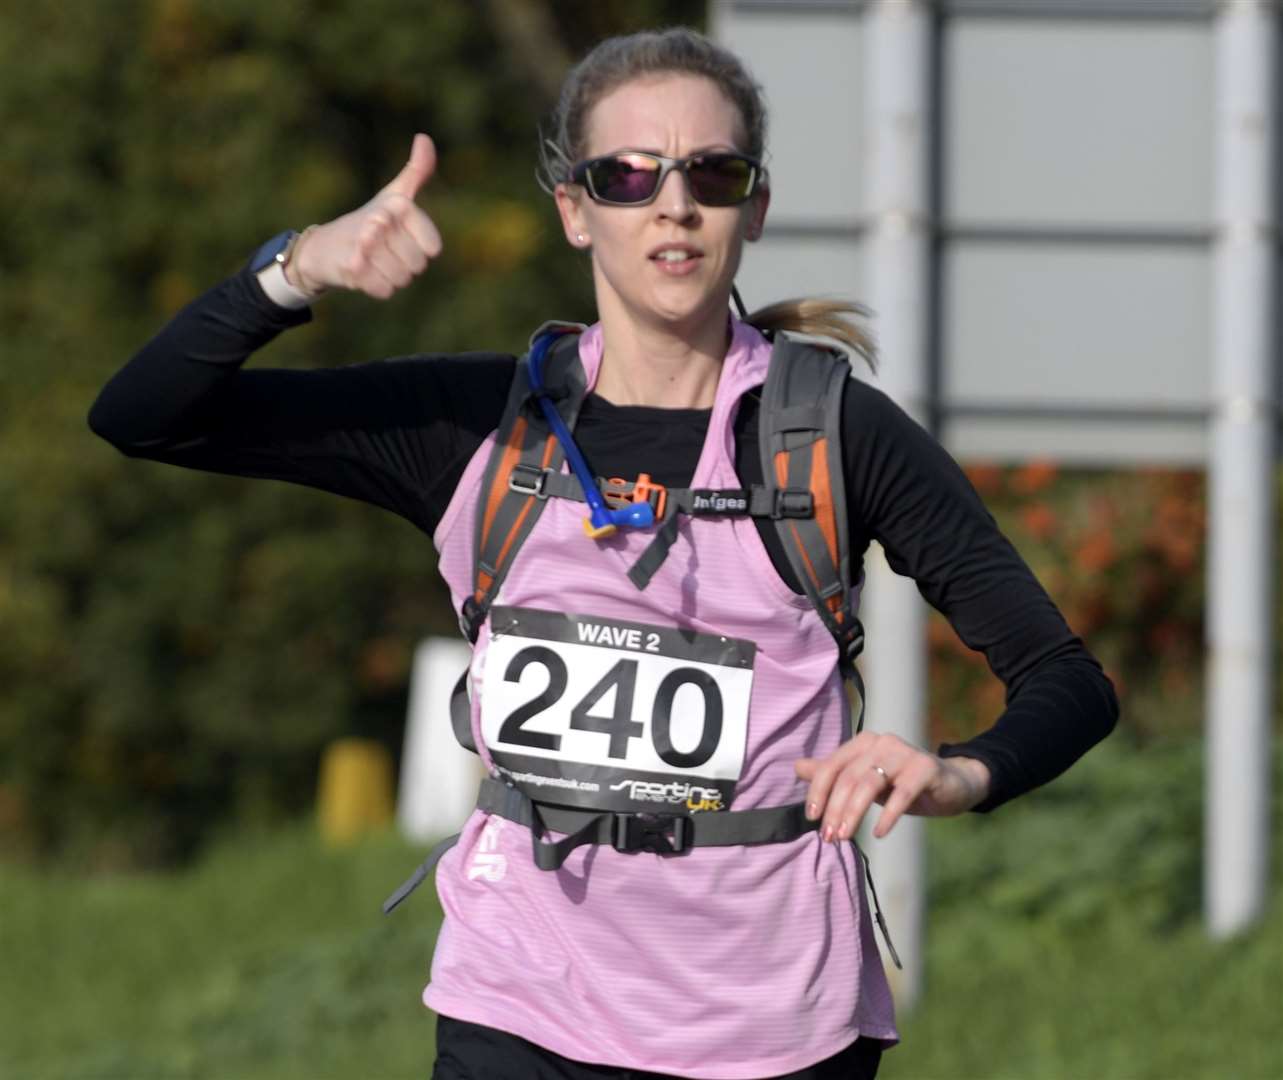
(801, 446)
(505, 515)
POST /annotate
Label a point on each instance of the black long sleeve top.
(398, 433)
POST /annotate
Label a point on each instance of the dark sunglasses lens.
(721, 179)
(627, 178)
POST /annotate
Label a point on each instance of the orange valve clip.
(616, 492)
(646, 490)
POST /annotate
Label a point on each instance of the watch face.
(263, 257)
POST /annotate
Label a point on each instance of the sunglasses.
(633, 178)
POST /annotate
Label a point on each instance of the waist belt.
(660, 834)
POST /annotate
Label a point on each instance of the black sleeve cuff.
(270, 318)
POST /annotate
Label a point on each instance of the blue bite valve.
(601, 521)
(637, 515)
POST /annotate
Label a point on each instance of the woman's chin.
(688, 313)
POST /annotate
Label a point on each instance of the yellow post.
(355, 790)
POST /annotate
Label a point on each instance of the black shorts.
(468, 1051)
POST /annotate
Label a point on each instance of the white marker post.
(438, 777)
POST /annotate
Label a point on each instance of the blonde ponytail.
(830, 319)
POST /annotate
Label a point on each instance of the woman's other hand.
(379, 247)
(889, 771)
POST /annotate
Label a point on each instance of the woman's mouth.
(676, 259)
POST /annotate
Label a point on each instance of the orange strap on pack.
(801, 448)
(506, 514)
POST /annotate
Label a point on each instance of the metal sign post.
(1240, 589)
(898, 125)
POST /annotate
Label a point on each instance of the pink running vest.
(723, 963)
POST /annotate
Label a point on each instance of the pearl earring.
(580, 237)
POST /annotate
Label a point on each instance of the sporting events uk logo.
(675, 793)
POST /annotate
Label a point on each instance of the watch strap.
(276, 286)
(278, 289)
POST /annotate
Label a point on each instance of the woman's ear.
(757, 214)
(570, 207)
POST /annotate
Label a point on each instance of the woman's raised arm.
(393, 433)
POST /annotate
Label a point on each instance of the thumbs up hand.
(379, 247)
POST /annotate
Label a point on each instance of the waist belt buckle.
(650, 832)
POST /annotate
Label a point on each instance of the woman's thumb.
(418, 170)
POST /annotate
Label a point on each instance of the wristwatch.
(268, 263)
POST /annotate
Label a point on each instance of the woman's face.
(683, 290)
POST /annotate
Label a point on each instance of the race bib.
(612, 715)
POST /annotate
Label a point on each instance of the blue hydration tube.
(602, 521)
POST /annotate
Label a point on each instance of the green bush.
(1065, 936)
(1123, 828)
(176, 649)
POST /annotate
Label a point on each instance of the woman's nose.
(674, 198)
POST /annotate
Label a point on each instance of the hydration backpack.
(802, 493)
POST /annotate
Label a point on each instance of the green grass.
(1066, 938)
(1111, 1000)
(1064, 942)
(269, 960)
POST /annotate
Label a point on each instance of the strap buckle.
(649, 832)
(852, 638)
(471, 616)
(793, 503)
(528, 480)
(619, 493)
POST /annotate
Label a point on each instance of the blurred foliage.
(1124, 828)
(175, 649)
(1123, 556)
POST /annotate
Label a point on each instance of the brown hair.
(680, 50)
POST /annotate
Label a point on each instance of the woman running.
(660, 878)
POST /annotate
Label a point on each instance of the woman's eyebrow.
(718, 147)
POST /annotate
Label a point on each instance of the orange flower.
(1039, 520)
(985, 477)
(1035, 477)
(1097, 552)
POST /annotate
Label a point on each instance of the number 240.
(619, 725)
